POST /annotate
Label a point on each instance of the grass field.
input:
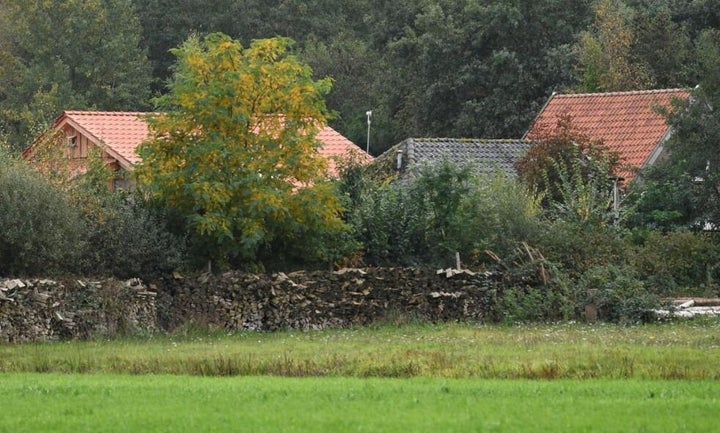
(112, 403)
(410, 378)
(686, 350)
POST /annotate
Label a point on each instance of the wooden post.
(591, 312)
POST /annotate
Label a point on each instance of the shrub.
(531, 288)
(502, 214)
(617, 292)
(41, 233)
(678, 263)
(579, 247)
(444, 209)
(127, 238)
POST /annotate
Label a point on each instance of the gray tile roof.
(485, 155)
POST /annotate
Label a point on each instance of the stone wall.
(37, 310)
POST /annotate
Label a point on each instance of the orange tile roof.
(121, 132)
(626, 122)
(336, 145)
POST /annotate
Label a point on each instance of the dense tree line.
(425, 67)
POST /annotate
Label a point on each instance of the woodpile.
(39, 310)
(318, 300)
(42, 309)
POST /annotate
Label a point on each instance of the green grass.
(160, 403)
(410, 378)
(684, 350)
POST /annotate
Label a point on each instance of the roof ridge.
(467, 139)
(107, 113)
(625, 92)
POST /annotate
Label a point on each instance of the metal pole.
(369, 114)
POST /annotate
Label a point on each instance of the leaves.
(59, 55)
(235, 152)
(605, 52)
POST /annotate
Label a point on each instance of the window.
(71, 141)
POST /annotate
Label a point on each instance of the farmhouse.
(628, 123)
(117, 135)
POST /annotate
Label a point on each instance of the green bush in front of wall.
(130, 239)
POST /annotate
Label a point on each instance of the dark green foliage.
(663, 45)
(661, 200)
(41, 233)
(617, 292)
(678, 263)
(70, 54)
(480, 69)
(44, 231)
(531, 288)
(128, 239)
(695, 143)
(579, 247)
(389, 224)
(443, 210)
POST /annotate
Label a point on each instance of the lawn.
(164, 403)
(408, 378)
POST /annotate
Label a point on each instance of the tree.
(71, 54)
(663, 46)
(41, 231)
(605, 52)
(479, 69)
(695, 144)
(555, 154)
(569, 171)
(662, 199)
(235, 152)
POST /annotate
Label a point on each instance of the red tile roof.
(627, 122)
(121, 133)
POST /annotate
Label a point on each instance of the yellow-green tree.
(605, 52)
(234, 152)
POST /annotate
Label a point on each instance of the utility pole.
(369, 115)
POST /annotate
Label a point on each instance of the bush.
(502, 214)
(678, 263)
(617, 292)
(578, 247)
(531, 288)
(442, 210)
(127, 238)
(41, 233)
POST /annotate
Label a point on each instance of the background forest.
(464, 68)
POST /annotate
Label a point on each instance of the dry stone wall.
(37, 310)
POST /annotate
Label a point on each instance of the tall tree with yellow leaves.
(235, 151)
(605, 54)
